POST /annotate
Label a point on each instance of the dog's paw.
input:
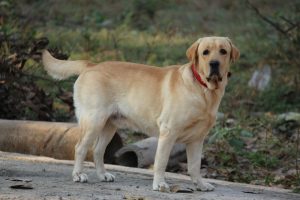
(161, 187)
(80, 177)
(106, 177)
(205, 187)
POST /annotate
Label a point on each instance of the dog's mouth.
(214, 78)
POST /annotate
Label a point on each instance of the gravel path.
(51, 179)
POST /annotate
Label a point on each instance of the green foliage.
(233, 135)
(279, 98)
(262, 159)
(296, 190)
(140, 14)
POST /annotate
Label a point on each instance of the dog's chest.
(196, 126)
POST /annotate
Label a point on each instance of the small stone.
(174, 188)
(220, 116)
(230, 122)
(163, 189)
(290, 116)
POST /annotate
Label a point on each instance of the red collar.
(197, 76)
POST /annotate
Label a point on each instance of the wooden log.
(142, 153)
(53, 139)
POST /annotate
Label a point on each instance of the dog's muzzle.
(214, 74)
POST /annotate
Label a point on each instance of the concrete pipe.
(53, 139)
(141, 154)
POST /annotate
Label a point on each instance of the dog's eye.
(205, 52)
(223, 51)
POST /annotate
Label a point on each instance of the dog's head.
(211, 57)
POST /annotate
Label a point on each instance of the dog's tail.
(62, 69)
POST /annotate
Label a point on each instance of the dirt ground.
(47, 178)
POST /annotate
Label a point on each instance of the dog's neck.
(211, 97)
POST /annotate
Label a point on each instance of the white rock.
(261, 78)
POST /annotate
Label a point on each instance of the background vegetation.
(251, 143)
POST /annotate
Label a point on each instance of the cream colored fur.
(165, 102)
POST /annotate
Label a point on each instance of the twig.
(274, 24)
(297, 153)
(197, 4)
(115, 41)
(266, 140)
(292, 27)
(288, 21)
(293, 24)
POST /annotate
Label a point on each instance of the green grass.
(262, 159)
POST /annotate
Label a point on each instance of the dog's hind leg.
(90, 126)
(100, 145)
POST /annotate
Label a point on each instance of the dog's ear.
(235, 53)
(191, 53)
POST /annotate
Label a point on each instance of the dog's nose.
(214, 63)
(214, 66)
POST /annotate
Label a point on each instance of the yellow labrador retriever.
(176, 104)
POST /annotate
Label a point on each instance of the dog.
(176, 104)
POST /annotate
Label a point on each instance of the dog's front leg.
(165, 143)
(194, 152)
